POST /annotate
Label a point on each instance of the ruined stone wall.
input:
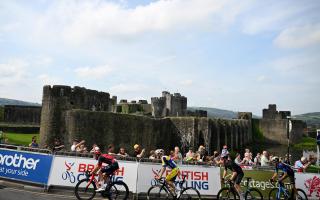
(125, 130)
(275, 131)
(22, 114)
(121, 130)
(58, 99)
(213, 133)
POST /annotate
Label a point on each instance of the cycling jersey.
(229, 164)
(106, 158)
(166, 161)
(285, 168)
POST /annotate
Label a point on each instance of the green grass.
(307, 143)
(21, 139)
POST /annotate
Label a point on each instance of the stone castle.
(274, 125)
(69, 113)
(79, 113)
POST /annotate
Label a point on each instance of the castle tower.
(58, 99)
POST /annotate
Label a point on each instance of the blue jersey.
(167, 161)
(285, 168)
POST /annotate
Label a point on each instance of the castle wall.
(22, 114)
(105, 128)
(58, 99)
(275, 131)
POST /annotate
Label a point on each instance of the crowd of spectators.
(199, 155)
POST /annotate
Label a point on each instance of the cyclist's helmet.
(275, 159)
(96, 152)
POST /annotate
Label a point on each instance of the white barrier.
(67, 171)
(310, 183)
(205, 179)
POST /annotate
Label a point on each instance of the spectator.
(95, 148)
(286, 159)
(57, 145)
(257, 160)
(82, 149)
(203, 153)
(265, 159)
(177, 157)
(34, 143)
(122, 152)
(302, 164)
(224, 150)
(189, 155)
(247, 159)
(216, 157)
(152, 155)
(76, 145)
(138, 152)
(111, 150)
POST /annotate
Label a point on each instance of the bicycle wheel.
(116, 190)
(157, 192)
(253, 193)
(190, 193)
(301, 195)
(84, 190)
(273, 195)
(226, 193)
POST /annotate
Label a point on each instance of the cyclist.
(105, 171)
(237, 173)
(171, 177)
(288, 172)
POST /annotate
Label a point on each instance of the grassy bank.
(20, 139)
(307, 143)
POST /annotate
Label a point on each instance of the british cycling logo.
(22, 163)
(313, 185)
(68, 175)
(195, 179)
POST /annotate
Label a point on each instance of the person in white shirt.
(76, 145)
(265, 159)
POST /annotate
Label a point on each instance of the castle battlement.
(169, 105)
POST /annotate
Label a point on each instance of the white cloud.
(13, 72)
(186, 83)
(299, 36)
(124, 88)
(297, 63)
(261, 78)
(49, 80)
(97, 72)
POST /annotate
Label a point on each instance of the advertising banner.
(67, 171)
(259, 179)
(32, 167)
(310, 183)
(205, 179)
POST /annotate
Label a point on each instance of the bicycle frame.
(93, 179)
(165, 184)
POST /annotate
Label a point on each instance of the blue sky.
(236, 55)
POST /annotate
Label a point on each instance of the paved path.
(7, 193)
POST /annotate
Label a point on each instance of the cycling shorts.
(110, 168)
(238, 178)
(173, 174)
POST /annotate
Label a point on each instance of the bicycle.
(230, 192)
(86, 188)
(161, 191)
(281, 192)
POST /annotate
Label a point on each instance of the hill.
(4, 101)
(216, 113)
(312, 119)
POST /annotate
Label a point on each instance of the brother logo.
(18, 161)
